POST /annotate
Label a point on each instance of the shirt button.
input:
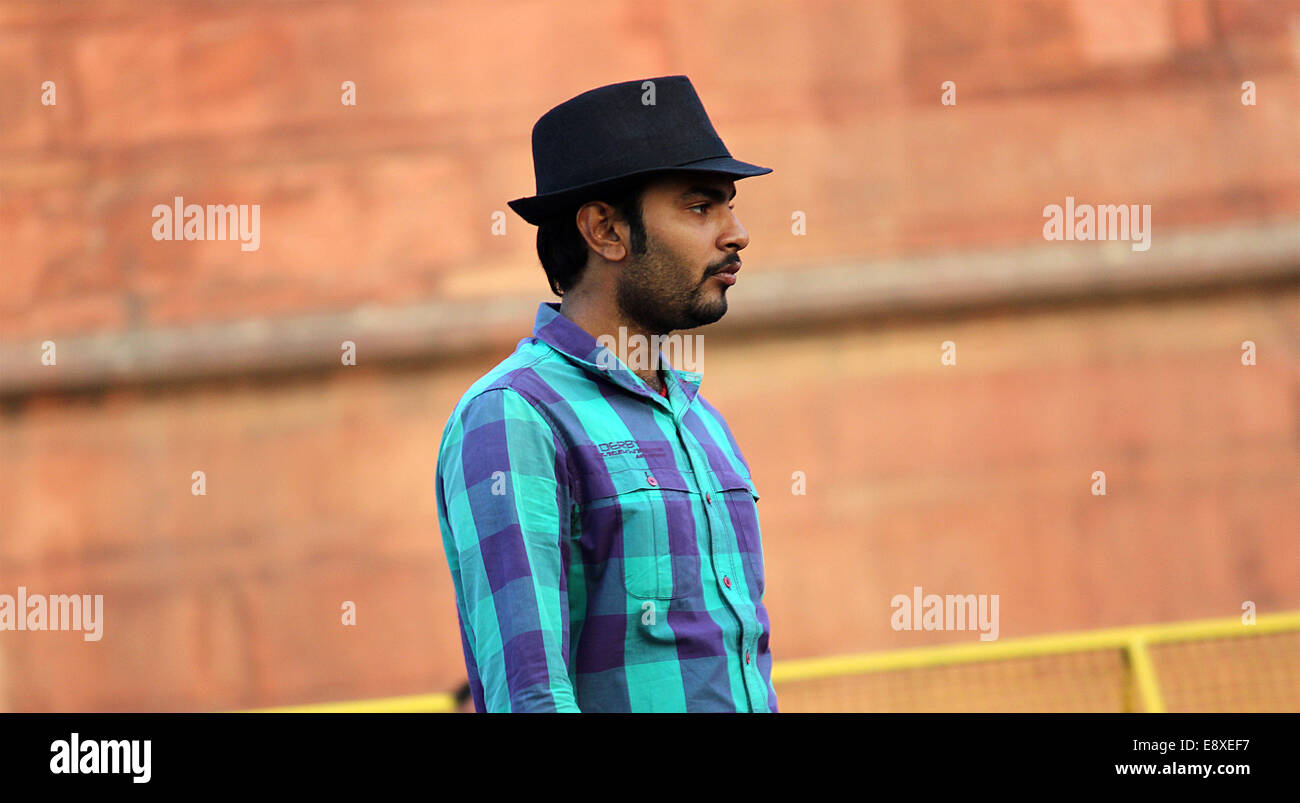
(708, 498)
(652, 481)
(746, 656)
(726, 581)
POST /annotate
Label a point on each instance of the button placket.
(699, 466)
(715, 514)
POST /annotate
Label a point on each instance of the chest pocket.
(739, 498)
(641, 524)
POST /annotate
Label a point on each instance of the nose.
(734, 235)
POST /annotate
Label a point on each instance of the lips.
(728, 274)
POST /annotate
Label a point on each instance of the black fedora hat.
(612, 133)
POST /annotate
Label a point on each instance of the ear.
(605, 234)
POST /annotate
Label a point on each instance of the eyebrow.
(708, 192)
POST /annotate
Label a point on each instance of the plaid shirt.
(603, 540)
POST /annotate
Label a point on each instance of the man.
(598, 517)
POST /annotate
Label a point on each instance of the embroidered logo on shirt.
(619, 447)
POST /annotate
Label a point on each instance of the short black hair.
(561, 247)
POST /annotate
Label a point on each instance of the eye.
(706, 205)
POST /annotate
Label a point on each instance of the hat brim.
(537, 209)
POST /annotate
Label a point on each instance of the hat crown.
(622, 128)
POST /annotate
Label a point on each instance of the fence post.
(1144, 675)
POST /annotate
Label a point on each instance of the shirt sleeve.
(503, 499)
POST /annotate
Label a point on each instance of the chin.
(710, 313)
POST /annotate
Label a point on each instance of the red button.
(746, 656)
(708, 498)
(652, 480)
(726, 581)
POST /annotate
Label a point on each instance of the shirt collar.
(580, 347)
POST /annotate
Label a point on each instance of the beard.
(657, 291)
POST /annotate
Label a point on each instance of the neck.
(598, 315)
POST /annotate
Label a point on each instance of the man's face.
(693, 240)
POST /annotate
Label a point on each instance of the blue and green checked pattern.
(603, 540)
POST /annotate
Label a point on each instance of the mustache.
(721, 266)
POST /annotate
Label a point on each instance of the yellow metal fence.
(1209, 665)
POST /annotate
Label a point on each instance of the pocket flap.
(728, 480)
(599, 485)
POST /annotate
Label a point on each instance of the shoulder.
(501, 417)
(514, 378)
(522, 386)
